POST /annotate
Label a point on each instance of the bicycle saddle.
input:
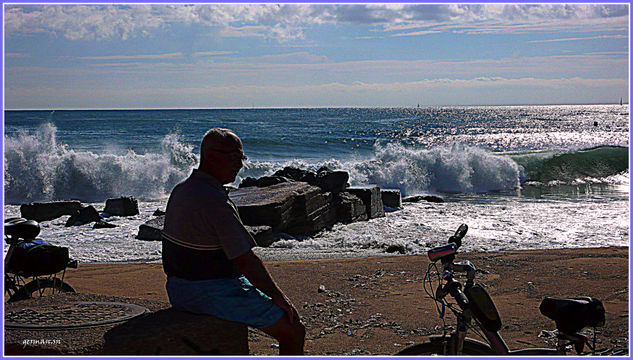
(20, 228)
(573, 314)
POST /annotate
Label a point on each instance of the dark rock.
(173, 332)
(396, 248)
(295, 208)
(158, 212)
(263, 181)
(350, 208)
(263, 234)
(326, 179)
(331, 181)
(391, 198)
(418, 198)
(123, 206)
(151, 230)
(267, 206)
(248, 182)
(84, 215)
(370, 195)
(49, 210)
(297, 174)
(103, 225)
(312, 212)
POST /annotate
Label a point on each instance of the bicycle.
(43, 266)
(474, 305)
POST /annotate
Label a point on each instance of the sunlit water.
(521, 177)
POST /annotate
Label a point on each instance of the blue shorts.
(234, 299)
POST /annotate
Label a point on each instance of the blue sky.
(292, 55)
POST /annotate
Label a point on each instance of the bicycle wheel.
(471, 347)
(42, 287)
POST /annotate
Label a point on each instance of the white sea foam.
(450, 169)
(496, 222)
(37, 168)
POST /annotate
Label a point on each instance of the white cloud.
(582, 38)
(287, 22)
(133, 57)
(442, 91)
(176, 55)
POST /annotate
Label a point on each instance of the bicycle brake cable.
(427, 280)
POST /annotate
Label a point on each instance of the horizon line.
(305, 107)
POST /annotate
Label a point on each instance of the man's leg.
(290, 334)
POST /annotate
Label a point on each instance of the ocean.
(521, 177)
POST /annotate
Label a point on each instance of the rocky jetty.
(291, 202)
(299, 203)
(303, 202)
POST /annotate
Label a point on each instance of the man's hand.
(252, 266)
(286, 305)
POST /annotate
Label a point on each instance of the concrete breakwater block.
(296, 208)
(370, 195)
(391, 198)
(312, 212)
(262, 234)
(418, 198)
(49, 210)
(84, 215)
(270, 205)
(123, 206)
(174, 332)
(350, 208)
(151, 230)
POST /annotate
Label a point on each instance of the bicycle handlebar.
(447, 252)
(459, 235)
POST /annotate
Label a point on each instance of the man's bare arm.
(253, 268)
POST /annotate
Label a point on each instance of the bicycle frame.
(454, 343)
(14, 283)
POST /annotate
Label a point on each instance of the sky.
(137, 56)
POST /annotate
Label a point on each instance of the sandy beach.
(377, 305)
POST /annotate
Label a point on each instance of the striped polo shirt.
(203, 232)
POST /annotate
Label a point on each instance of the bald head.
(218, 138)
(221, 154)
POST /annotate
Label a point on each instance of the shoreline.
(268, 258)
(377, 305)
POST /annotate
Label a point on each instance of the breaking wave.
(596, 164)
(37, 168)
(448, 169)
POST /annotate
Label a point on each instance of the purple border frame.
(300, 2)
